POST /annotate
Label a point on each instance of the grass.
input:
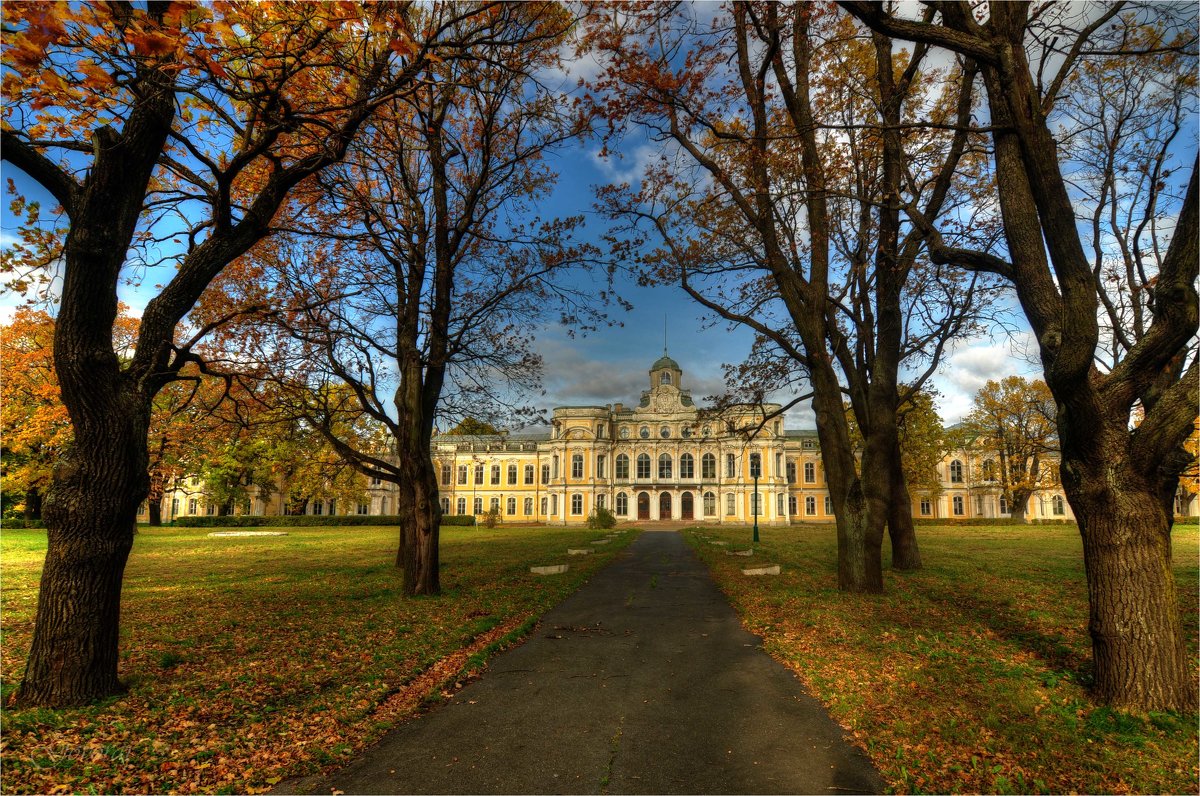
(254, 659)
(971, 674)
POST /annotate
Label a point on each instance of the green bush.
(15, 523)
(458, 519)
(983, 521)
(601, 520)
(492, 517)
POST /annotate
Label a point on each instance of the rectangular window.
(622, 504)
(543, 507)
(576, 504)
(445, 475)
(958, 506)
(600, 466)
(600, 501)
(445, 506)
(462, 505)
(730, 466)
(363, 508)
(731, 504)
(512, 506)
(528, 475)
(927, 508)
(545, 475)
(495, 475)
(686, 466)
(479, 473)
(643, 466)
(462, 474)
(495, 505)
(577, 466)
(979, 505)
(810, 506)
(528, 506)
(828, 506)
(622, 466)
(708, 466)
(192, 505)
(1003, 505)
(512, 475)
(376, 481)
(810, 473)
(478, 505)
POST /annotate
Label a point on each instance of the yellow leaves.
(154, 43)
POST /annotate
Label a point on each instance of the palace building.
(662, 459)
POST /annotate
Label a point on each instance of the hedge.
(14, 523)
(304, 520)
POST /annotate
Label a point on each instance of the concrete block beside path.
(774, 569)
(554, 569)
(587, 551)
(739, 552)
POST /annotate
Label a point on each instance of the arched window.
(730, 466)
(643, 465)
(956, 473)
(665, 377)
(664, 466)
(708, 466)
(577, 465)
(622, 465)
(622, 503)
(710, 504)
(687, 466)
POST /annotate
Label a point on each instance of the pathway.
(643, 681)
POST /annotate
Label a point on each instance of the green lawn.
(255, 659)
(969, 675)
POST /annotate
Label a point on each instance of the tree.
(1013, 419)
(469, 426)
(176, 128)
(418, 265)
(33, 422)
(1101, 366)
(778, 208)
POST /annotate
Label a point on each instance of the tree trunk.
(155, 511)
(90, 513)
(860, 552)
(1141, 659)
(1019, 505)
(420, 521)
(902, 532)
(33, 504)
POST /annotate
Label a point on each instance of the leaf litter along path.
(643, 681)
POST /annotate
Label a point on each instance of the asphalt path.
(643, 681)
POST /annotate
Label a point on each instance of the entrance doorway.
(643, 506)
(664, 506)
(685, 506)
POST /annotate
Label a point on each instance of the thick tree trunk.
(1140, 656)
(860, 552)
(90, 513)
(155, 512)
(420, 520)
(902, 532)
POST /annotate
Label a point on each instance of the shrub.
(304, 521)
(15, 523)
(602, 519)
(492, 517)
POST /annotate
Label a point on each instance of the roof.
(665, 362)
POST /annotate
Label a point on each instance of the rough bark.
(902, 533)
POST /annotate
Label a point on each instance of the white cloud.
(974, 363)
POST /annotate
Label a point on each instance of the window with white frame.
(687, 466)
(577, 465)
(528, 506)
(528, 475)
(554, 505)
(495, 505)
(511, 505)
(730, 466)
(810, 473)
(462, 474)
(445, 506)
(601, 460)
(462, 505)
(446, 475)
(810, 506)
(792, 505)
(708, 466)
(545, 475)
(622, 466)
(495, 475)
(643, 465)
(1058, 506)
(926, 507)
(622, 504)
(478, 505)
(576, 504)
(512, 475)
(710, 504)
(479, 473)
(664, 465)
(828, 506)
(731, 504)
(959, 508)
(956, 472)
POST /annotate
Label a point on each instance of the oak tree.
(1116, 335)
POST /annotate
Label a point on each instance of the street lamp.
(755, 472)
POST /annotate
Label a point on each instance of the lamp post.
(755, 472)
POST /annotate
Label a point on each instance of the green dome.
(665, 362)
